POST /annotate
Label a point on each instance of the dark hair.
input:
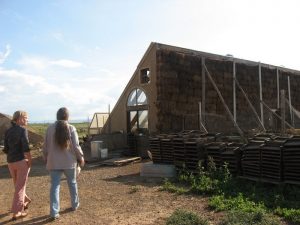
(62, 114)
(62, 133)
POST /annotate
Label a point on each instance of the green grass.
(40, 128)
(183, 217)
(243, 218)
(133, 189)
(227, 193)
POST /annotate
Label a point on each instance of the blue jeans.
(55, 176)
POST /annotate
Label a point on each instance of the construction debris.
(122, 161)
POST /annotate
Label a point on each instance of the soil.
(108, 195)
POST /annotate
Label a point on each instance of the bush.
(241, 203)
(182, 217)
(170, 187)
(290, 214)
(228, 193)
(244, 218)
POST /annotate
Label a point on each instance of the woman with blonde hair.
(16, 146)
(62, 152)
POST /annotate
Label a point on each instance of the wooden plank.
(115, 162)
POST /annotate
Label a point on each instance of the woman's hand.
(29, 162)
(81, 162)
(28, 159)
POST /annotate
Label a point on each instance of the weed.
(170, 187)
(229, 193)
(133, 189)
(244, 218)
(183, 217)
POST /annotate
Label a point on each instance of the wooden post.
(200, 116)
(201, 126)
(109, 120)
(282, 110)
(234, 92)
(250, 104)
(290, 102)
(278, 92)
(260, 95)
(279, 117)
(225, 105)
(203, 89)
(98, 131)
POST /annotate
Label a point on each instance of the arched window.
(137, 97)
(137, 111)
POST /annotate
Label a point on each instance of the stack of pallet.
(194, 153)
(166, 150)
(291, 160)
(251, 167)
(154, 144)
(215, 150)
(232, 157)
(179, 152)
(271, 160)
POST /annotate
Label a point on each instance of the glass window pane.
(143, 119)
(133, 121)
(141, 97)
(132, 98)
(137, 97)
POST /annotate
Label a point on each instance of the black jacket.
(16, 143)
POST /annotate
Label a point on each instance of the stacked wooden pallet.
(179, 152)
(271, 160)
(291, 160)
(232, 157)
(194, 153)
(251, 167)
(154, 144)
(166, 150)
(214, 150)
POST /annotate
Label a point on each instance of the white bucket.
(95, 148)
(103, 153)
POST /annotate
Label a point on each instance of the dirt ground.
(108, 195)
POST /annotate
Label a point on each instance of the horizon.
(52, 121)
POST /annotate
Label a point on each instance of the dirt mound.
(5, 124)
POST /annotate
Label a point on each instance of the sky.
(81, 53)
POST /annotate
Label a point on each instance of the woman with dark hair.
(16, 146)
(62, 152)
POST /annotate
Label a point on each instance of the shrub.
(244, 218)
(241, 203)
(229, 193)
(170, 187)
(183, 217)
(290, 214)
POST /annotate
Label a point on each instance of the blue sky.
(81, 54)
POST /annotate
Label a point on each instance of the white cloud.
(66, 63)
(43, 91)
(34, 62)
(2, 88)
(5, 54)
(58, 36)
(42, 63)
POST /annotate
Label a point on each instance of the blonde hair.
(18, 114)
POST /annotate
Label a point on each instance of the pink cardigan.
(58, 158)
